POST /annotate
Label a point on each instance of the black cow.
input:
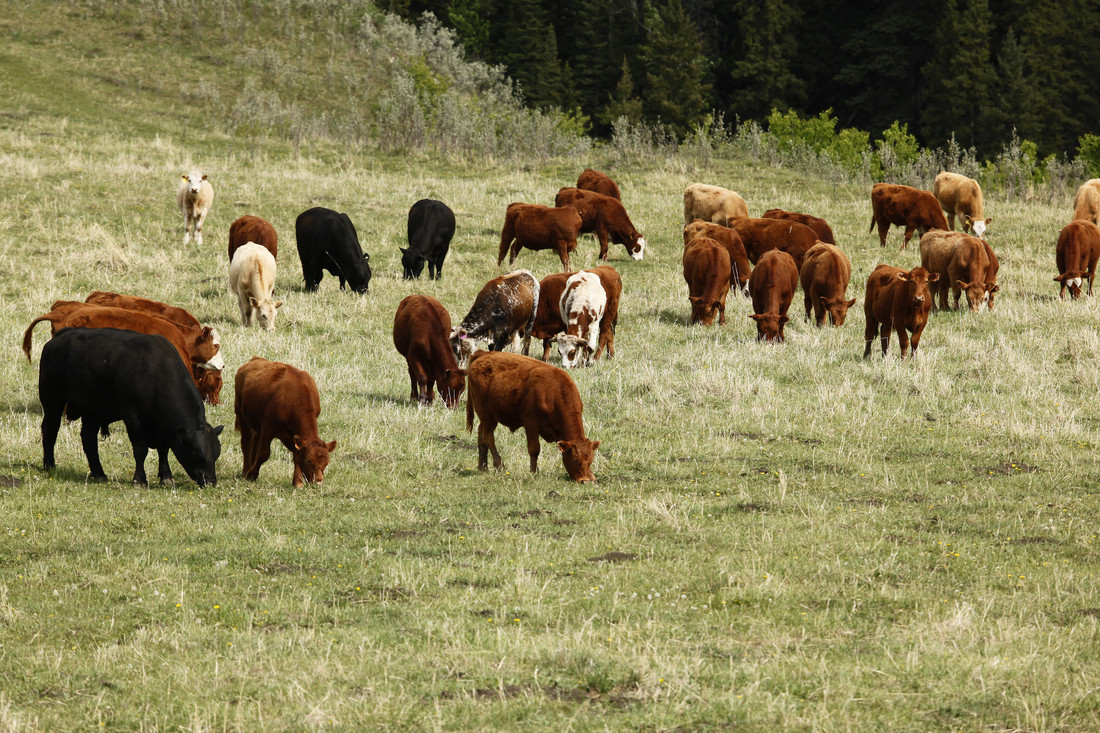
(101, 375)
(327, 241)
(431, 226)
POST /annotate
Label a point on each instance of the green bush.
(1088, 152)
(819, 135)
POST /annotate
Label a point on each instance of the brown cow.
(1086, 204)
(519, 392)
(772, 285)
(548, 322)
(253, 229)
(613, 287)
(761, 235)
(707, 272)
(274, 400)
(740, 266)
(962, 197)
(1076, 255)
(591, 180)
(912, 208)
(991, 274)
(900, 300)
(821, 227)
(962, 262)
(825, 274)
(421, 332)
(540, 227)
(605, 217)
(712, 203)
(503, 311)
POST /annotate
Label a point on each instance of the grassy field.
(781, 537)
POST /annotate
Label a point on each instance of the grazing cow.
(1076, 255)
(707, 272)
(103, 375)
(503, 311)
(519, 392)
(539, 227)
(591, 180)
(613, 288)
(740, 266)
(821, 227)
(421, 333)
(912, 208)
(962, 197)
(825, 274)
(761, 235)
(712, 203)
(253, 229)
(962, 262)
(209, 382)
(327, 240)
(605, 217)
(582, 307)
(900, 300)
(194, 198)
(772, 285)
(548, 321)
(431, 227)
(252, 280)
(1086, 204)
(274, 400)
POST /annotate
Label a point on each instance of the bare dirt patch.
(10, 482)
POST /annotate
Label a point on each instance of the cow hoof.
(97, 479)
(168, 481)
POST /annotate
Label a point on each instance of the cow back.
(253, 229)
(821, 227)
(179, 316)
(592, 180)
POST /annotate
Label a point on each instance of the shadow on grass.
(682, 318)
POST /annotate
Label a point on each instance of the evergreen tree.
(583, 46)
(623, 103)
(762, 74)
(471, 24)
(523, 40)
(1015, 102)
(675, 92)
(940, 109)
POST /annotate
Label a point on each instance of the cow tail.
(507, 234)
(28, 335)
(469, 411)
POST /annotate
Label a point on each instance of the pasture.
(780, 537)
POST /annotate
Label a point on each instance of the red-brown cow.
(900, 300)
(825, 274)
(253, 229)
(1076, 255)
(772, 285)
(548, 322)
(962, 262)
(421, 333)
(605, 217)
(539, 227)
(991, 274)
(740, 266)
(820, 226)
(503, 310)
(520, 392)
(912, 208)
(707, 272)
(762, 235)
(274, 400)
(591, 180)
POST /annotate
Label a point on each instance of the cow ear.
(297, 442)
(403, 250)
(989, 221)
(1058, 279)
(207, 331)
(902, 276)
(204, 176)
(218, 430)
(331, 446)
(595, 445)
(694, 298)
(824, 300)
(253, 302)
(563, 445)
(183, 177)
(278, 303)
(994, 289)
(784, 319)
(962, 285)
(851, 302)
(756, 316)
(934, 277)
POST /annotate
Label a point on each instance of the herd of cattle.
(120, 357)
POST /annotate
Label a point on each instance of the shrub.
(1088, 153)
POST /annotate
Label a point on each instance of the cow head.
(918, 280)
(197, 450)
(577, 455)
(207, 350)
(837, 308)
(463, 346)
(703, 311)
(209, 382)
(194, 181)
(976, 294)
(311, 458)
(1072, 280)
(264, 311)
(412, 262)
(769, 326)
(978, 226)
(635, 246)
(575, 351)
(451, 387)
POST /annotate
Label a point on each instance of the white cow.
(194, 198)
(252, 280)
(582, 303)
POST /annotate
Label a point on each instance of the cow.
(101, 375)
(539, 227)
(1086, 204)
(209, 382)
(760, 235)
(327, 240)
(520, 392)
(821, 227)
(707, 272)
(712, 203)
(900, 300)
(431, 227)
(605, 217)
(503, 311)
(591, 180)
(772, 286)
(912, 208)
(582, 306)
(548, 321)
(194, 198)
(961, 197)
(272, 400)
(1076, 254)
(962, 262)
(252, 280)
(740, 266)
(249, 228)
(421, 333)
(613, 288)
(824, 275)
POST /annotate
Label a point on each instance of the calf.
(605, 217)
(900, 300)
(591, 180)
(707, 272)
(327, 240)
(502, 311)
(253, 229)
(582, 307)
(1086, 204)
(962, 197)
(740, 266)
(252, 280)
(194, 198)
(519, 392)
(548, 321)
(962, 263)
(821, 227)
(712, 203)
(274, 400)
(431, 227)
(103, 375)
(912, 208)
(421, 332)
(762, 235)
(825, 274)
(1076, 255)
(772, 286)
(539, 227)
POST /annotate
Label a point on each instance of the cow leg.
(141, 450)
(951, 222)
(546, 349)
(421, 387)
(534, 447)
(186, 227)
(903, 340)
(883, 230)
(429, 391)
(164, 469)
(198, 227)
(563, 255)
(513, 251)
(915, 341)
(1090, 285)
(808, 302)
(246, 311)
(908, 235)
(261, 451)
(869, 332)
(601, 234)
(486, 443)
(246, 447)
(721, 313)
(51, 423)
(89, 430)
(884, 337)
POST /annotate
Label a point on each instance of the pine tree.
(940, 108)
(523, 40)
(762, 74)
(962, 79)
(471, 24)
(675, 91)
(1015, 101)
(623, 102)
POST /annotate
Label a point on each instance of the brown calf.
(712, 203)
(740, 266)
(962, 197)
(962, 262)
(1086, 204)
(825, 274)
(539, 227)
(253, 229)
(900, 300)
(1076, 255)
(912, 208)
(707, 272)
(421, 333)
(605, 217)
(772, 286)
(821, 227)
